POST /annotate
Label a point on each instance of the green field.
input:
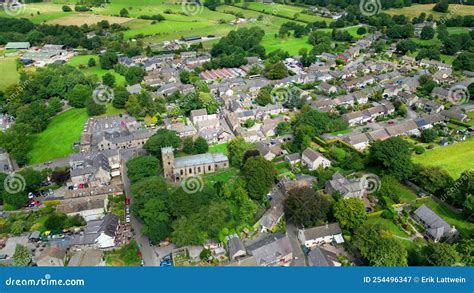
(287, 11)
(41, 12)
(454, 158)
(81, 63)
(9, 73)
(290, 44)
(57, 140)
(218, 148)
(416, 9)
(220, 176)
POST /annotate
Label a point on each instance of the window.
(181, 171)
(190, 171)
(199, 169)
(209, 168)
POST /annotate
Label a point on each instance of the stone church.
(179, 168)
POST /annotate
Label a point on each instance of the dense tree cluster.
(232, 49)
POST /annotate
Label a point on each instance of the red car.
(127, 201)
(391, 122)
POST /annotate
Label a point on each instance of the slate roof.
(322, 231)
(437, 226)
(235, 246)
(271, 248)
(320, 257)
(201, 159)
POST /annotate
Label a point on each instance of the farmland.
(415, 10)
(454, 158)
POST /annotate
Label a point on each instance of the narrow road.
(299, 258)
(148, 252)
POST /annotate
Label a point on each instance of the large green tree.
(305, 207)
(380, 249)
(393, 156)
(441, 254)
(162, 138)
(259, 175)
(142, 167)
(350, 213)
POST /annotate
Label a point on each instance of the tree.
(305, 207)
(433, 179)
(142, 167)
(94, 109)
(55, 222)
(441, 254)
(427, 33)
(361, 30)
(236, 149)
(21, 257)
(201, 146)
(429, 135)
(78, 95)
(91, 62)
(350, 213)
(108, 79)
(123, 12)
(393, 155)
(162, 138)
(464, 61)
(259, 175)
(276, 71)
(121, 96)
(264, 96)
(406, 46)
(441, 6)
(465, 249)
(108, 60)
(66, 8)
(378, 248)
(188, 145)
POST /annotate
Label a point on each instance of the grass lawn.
(218, 148)
(465, 228)
(454, 158)
(81, 61)
(41, 12)
(112, 111)
(388, 225)
(57, 140)
(8, 65)
(223, 176)
(290, 44)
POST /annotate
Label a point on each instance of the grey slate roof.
(322, 231)
(437, 226)
(201, 159)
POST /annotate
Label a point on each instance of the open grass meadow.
(287, 11)
(9, 73)
(454, 158)
(41, 12)
(81, 61)
(57, 140)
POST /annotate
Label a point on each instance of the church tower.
(167, 157)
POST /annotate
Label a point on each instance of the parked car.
(127, 219)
